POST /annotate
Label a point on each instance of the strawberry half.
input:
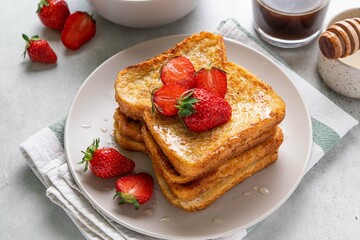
(136, 189)
(178, 70)
(79, 28)
(53, 13)
(106, 162)
(39, 50)
(214, 80)
(165, 99)
(201, 110)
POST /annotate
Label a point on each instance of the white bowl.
(342, 75)
(143, 13)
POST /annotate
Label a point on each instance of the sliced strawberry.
(201, 110)
(136, 189)
(106, 162)
(165, 99)
(79, 28)
(214, 80)
(178, 70)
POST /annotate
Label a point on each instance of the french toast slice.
(135, 83)
(167, 170)
(127, 133)
(189, 190)
(127, 127)
(192, 189)
(256, 111)
(209, 196)
(129, 144)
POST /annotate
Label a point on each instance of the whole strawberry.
(106, 162)
(136, 189)
(39, 50)
(79, 28)
(201, 110)
(53, 13)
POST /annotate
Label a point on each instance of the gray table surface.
(326, 205)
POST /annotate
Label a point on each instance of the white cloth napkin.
(45, 155)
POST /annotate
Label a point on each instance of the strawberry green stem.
(89, 153)
(41, 4)
(127, 198)
(186, 104)
(28, 40)
(33, 38)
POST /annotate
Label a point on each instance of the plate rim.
(152, 234)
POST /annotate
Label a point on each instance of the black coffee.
(289, 19)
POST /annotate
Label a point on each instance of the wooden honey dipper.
(341, 39)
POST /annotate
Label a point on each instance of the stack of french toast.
(194, 169)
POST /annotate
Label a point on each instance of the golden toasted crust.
(134, 84)
(192, 189)
(209, 196)
(189, 190)
(128, 127)
(127, 133)
(167, 170)
(256, 110)
(129, 144)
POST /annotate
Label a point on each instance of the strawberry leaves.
(41, 4)
(186, 104)
(89, 153)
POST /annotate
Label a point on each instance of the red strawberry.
(201, 110)
(79, 28)
(214, 80)
(136, 189)
(178, 70)
(106, 162)
(165, 99)
(39, 50)
(53, 13)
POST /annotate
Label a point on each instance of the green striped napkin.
(45, 155)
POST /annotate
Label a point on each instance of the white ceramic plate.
(90, 116)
